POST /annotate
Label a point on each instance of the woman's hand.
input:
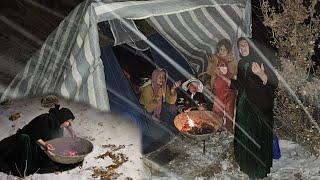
(259, 71)
(175, 86)
(48, 147)
(218, 72)
(159, 94)
(45, 146)
(256, 69)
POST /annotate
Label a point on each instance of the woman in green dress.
(256, 84)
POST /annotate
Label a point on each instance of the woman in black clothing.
(256, 84)
(22, 153)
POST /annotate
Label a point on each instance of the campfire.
(198, 122)
(198, 125)
(199, 129)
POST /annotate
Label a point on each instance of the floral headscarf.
(156, 87)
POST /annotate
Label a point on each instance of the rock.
(49, 101)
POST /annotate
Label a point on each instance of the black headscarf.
(252, 54)
(60, 115)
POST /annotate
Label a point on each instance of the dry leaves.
(49, 101)
(109, 172)
(14, 116)
(295, 29)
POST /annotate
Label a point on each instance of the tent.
(72, 64)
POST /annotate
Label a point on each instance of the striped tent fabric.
(195, 33)
(69, 65)
(194, 27)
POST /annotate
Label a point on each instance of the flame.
(190, 122)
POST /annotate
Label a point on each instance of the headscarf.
(60, 115)
(251, 56)
(195, 81)
(156, 87)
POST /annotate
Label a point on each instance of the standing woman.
(256, 84)
(23, 152)
(223, 64)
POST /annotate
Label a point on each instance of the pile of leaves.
(14, 116)
(6, 102)
(49, 101)
(109, 172)
(295, 28)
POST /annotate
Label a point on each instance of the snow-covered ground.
(100, 128)
(182, 158)
(191, 163)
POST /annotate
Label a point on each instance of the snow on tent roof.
(68, 63)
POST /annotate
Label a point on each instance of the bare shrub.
(295, 28)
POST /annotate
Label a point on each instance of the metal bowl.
(198, 117)
(82, 146)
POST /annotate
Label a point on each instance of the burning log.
(204, 128)
(198, 122)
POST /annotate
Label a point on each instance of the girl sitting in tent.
(222, 63)
(158, 99)
(191, 98)
(22, 154)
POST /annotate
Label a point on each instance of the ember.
(204, 128)
(198, 122)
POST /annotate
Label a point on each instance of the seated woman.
(158, 99)
(191, 98)
(22, 154)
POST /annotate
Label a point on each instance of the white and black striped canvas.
(68, 63)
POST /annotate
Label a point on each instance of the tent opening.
(137, 66)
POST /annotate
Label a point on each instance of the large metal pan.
(80, 145)
(198, 117)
